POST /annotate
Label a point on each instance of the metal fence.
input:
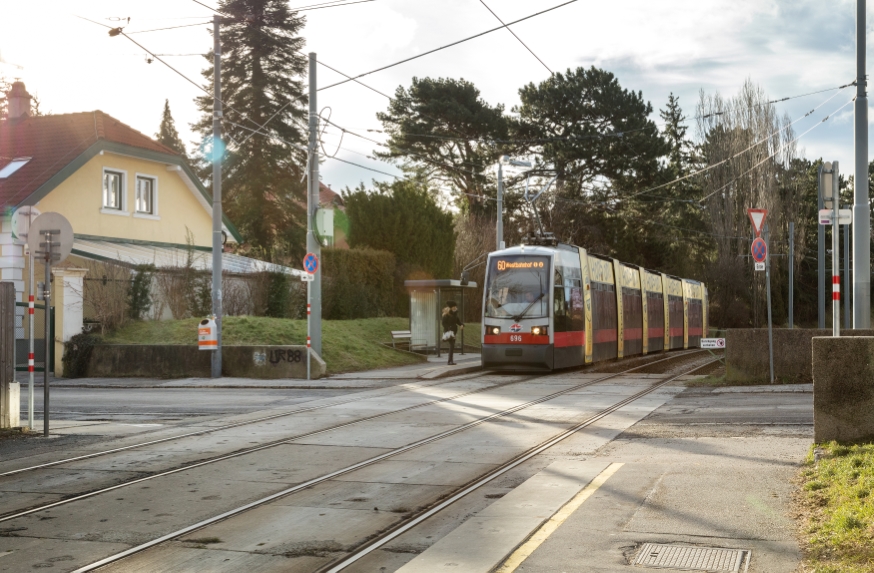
(22, 344)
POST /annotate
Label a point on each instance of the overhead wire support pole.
(313, 245)
(861, 210)
(791, 274)
(499, 228)
(820, 254)
(836, 252)
(217, 152)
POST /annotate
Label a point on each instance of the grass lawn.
(348, 345)
(837, 497)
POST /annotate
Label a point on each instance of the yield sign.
(758, 216)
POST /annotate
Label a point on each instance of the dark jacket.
(451, 322)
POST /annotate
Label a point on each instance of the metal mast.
(861, 213)
(217, 151)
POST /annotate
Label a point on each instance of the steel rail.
(403, 388)
(400, 529)
(359, 465)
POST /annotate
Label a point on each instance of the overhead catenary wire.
(517, 37)
(170, 28)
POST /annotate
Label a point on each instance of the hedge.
(358, 283)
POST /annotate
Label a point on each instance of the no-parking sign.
(715, 343)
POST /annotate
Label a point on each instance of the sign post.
(311, 266)
(759, 250)
(22, 220)
(50, 237)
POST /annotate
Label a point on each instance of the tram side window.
(568, 306)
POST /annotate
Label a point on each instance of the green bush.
(77, 353)
(139, 293)
(278, 295)
(358, 283)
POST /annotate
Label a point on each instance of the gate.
(22, 344)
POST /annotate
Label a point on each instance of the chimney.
(19, 101)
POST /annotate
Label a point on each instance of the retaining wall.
(843, 388)
(178, 361)
(746, 353)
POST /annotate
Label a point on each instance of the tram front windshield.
(517, 286)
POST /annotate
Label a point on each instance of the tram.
(552, 305)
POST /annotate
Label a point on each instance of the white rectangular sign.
(845, 216)
(760, 266)
(712, 343)
(307, 278)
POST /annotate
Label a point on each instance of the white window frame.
(109, 210)
(154, 214)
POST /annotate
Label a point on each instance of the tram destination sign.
(714, 343)
(520, 265)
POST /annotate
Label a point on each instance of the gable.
(176, 206)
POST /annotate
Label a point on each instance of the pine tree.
(262, 82)
(167, 134)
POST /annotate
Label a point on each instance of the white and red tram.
(548, 307)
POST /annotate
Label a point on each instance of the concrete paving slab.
(421, 473)
(27, 554)
(774, 388)
(482, 542)
(63, 481)
(190, 558)
(266, 529)
(364, 496)
(377, 433)
(493, 536)
(10, 502)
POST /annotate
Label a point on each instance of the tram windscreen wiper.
(518, 317)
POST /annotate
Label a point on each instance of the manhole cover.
(691, 558)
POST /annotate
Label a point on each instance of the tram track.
(414, 520)
(271, 417)
(378, 458)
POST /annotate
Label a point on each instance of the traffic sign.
(760, 266)
(845, 216)
(759, 249)
(307, 278)
(58, 227)
(712, 343)
(21, 220)
(311, 263)
(758, 216)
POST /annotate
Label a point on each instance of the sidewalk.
(433, 369)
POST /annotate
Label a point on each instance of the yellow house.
(128, 198)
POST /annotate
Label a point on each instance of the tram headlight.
(538, 330)
(495, 330)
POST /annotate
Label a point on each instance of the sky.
(683, 47)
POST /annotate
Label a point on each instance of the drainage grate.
(689, 558)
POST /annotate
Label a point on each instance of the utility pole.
(848, 305)
(820, 257)
(499, 234)
(313, 245)
(768, 280)
(791, 274)
(836, 253)
(861, 212)
(217, 151)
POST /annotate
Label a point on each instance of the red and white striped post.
(836, 254)
(309, 339)
(30, 338)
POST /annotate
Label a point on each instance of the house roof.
(53, 142)
(328, 196)
(58, 145)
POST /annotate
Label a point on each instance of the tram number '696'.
(515, 338)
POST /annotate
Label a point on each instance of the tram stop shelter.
(427, 298)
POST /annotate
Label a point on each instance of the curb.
(447, 372)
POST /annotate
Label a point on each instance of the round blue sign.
(311, 263)
(759, 249)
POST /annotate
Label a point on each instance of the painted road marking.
(536, 540)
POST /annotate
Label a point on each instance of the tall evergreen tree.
(167, 134)
(262, 71)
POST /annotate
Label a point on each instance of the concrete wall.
(843, 388)
(178, 361)
(746, 353)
